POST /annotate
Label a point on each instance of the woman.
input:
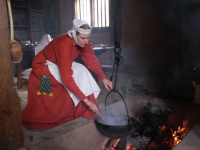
(50, 110)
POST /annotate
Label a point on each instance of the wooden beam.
(11, 137)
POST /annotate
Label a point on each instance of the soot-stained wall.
(160, 38)
(146, 47)
(189, 53)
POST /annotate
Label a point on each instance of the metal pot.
(116, 131)
(150, 131)
(157, 114)
(140, 124)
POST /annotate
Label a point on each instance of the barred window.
(95, 12)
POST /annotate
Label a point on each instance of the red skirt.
(45, 112)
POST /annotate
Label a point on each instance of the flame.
(180, 133)
(115, 144)
(129, 147)
(173, 137)
(104, 148)
(170, 138)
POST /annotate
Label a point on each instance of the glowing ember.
(104, 148)
(179, 135)
(166, 139)
(176, 136)
(115, 144)
(128, 147)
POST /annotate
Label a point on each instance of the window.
(95, 12)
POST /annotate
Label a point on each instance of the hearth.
(165, 138)
(147, 132)
(150, 133)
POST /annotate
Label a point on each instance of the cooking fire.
(165, 138)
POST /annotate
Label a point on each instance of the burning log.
(165, 139)
(171, 137)
(128, 147)
(115, 144)
(109, 144)
(104, 148)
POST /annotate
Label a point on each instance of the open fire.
(166, 138)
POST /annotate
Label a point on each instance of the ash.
(137, 142)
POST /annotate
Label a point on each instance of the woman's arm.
(88, 56)
(107, 84)
(91, 105)
(92, 63)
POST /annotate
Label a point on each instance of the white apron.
(82, 78)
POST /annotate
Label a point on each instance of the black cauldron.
(157, 114)
(116, 131)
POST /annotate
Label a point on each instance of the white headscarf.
(76, 27)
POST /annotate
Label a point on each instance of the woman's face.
(82, 39)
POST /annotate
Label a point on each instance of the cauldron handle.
(116, 91)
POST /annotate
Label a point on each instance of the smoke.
(112, 116)
(157, 109)
(138, 108)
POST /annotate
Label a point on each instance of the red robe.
(43, 111)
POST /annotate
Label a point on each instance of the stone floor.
(81, 133)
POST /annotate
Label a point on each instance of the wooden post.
(19, 78)
(11, 137)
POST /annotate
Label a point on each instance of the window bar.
(78, 15)
(96, 13)
(107, 13)
(91, 13)
(94, 10)
(88, 12)
(99, 13)
(103, 13)
(84, 10)
(81, 9)
(75, 9)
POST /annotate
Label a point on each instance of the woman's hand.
(107, 84)
(91, 105)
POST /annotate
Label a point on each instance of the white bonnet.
(76, 27)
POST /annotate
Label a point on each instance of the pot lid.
(157, 109)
